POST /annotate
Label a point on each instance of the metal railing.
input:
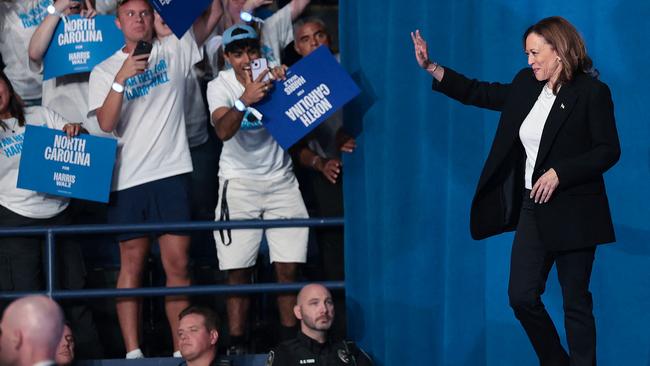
(50, 244)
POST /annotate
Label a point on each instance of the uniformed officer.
(315, 310)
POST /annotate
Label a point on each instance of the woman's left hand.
(72, 129)
(545, 186)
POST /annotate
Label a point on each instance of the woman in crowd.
(20, 257)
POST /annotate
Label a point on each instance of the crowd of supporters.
(190, 148)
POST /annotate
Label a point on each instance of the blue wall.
(420, 290)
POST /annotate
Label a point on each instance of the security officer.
(315, 310)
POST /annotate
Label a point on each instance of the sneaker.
(135, 354)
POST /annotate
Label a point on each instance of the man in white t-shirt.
(139, 98)
(256, 181)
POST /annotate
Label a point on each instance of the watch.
(52, 10)
(119, 88)
(239, 105)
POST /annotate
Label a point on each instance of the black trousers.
(21, 269)
(529, 267)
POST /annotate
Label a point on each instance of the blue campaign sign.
(78, 44)
(79, 167)
(315, 88)
(180, 14)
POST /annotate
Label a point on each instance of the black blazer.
(579, 141)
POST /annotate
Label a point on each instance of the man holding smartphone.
(256, 181)
(139, 98)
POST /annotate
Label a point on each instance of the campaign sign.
(180, 14)
(315, 88)
(79, 167)
(78, 44)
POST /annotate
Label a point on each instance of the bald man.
(30, 330)
(315, 311)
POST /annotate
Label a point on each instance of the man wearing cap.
(139, 98)
(256, 181)
(312, 345)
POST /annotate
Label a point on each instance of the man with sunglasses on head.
(139, 98)
(256, 181)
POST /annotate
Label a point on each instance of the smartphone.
(142, 48)
(257, 67)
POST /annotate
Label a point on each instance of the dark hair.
(16, 107)
(569, 45)
(210, 318)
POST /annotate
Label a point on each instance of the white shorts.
(248, 199)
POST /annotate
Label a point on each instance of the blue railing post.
(50, 262)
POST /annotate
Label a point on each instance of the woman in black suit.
(544, 178)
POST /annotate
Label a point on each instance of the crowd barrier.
(50, 234)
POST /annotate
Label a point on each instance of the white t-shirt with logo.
(252, 152)
(21, 201)
(18, 21)
(152, 143)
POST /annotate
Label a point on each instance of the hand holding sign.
(315, 87)
(64, 165)
(90, 11)
(72, 129)
(80, 43)
(279, 73)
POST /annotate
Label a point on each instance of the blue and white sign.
(78, 44)
(180, 14)
(315, 88)
(79, 167)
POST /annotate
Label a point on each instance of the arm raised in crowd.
(297, 7)
(205, 24)
(251, 5)
(42, 36)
